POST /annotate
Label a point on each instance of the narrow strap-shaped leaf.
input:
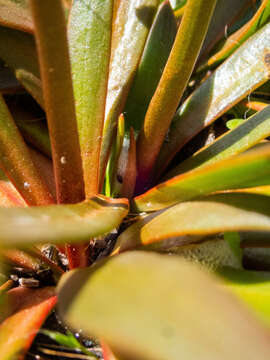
(131, 23)
(172, 84)
(243, 72)
(235, 40)
(89, 40)
(32, 84)
(211, 215)
(125, 180)
(19, 330)
(61, 223)
(17, 164)
(245, 170)
(111, 171)
(51, 37)
(168, 309)
(241, 138)
(16, 14)
(155, 55)
(225, 13)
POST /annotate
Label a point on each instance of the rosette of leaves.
(131, 130)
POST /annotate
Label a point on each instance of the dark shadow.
(146, 14)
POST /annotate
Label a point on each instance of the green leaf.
(246, 170)
(61, 223)
(243, 72)
(51, 39)
(16, 14)
(156, 307)
(225, 13)
(242, 137)
(260, 18)
(172, 84)
(155, 55)
(251, 287)
(132, 21)
(29, 310)
(227, 212)
(68, 340)
(89, 40)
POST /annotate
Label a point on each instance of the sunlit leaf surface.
(245, 170)
(29, 309)
(209, 215)
(243, 72)
(61, 223)
(156, 307)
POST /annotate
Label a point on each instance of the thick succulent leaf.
(61, 223)
(16, 14)
(251, 287)
(260, 18)
(174, 79)
(243, 72)
(155, 55)
(32, 84)
(131, 24)
(224, 15)
(51, 39)
(210, 215)
(89, 40)
(247, 134)
(246, 170)
(16, 162)
(126, 301)
(29, 310)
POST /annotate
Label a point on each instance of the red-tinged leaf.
(9, 196)
(51, 38)
(19, 258)
(249, 133)
(16, 14)
(206, 216)
(158, 307)
(243, 72)
(16, 162)
(89, 41)
(61, 223)
(29, 308)
(172, 84)
(242, 171)
(131, 24)
(45, 168)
